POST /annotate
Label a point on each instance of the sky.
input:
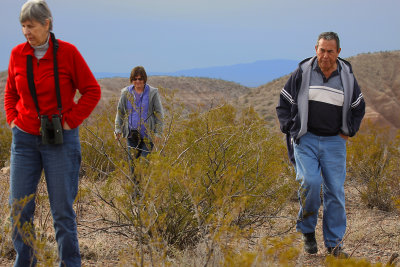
(172, 35)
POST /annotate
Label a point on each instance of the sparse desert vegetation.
(217, 190)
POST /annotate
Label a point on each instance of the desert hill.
(248, 74)
(378, 75)
(190, 90)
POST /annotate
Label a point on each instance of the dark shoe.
(310, 244)
(338, 252)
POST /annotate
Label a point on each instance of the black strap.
(56, 81)
(31, 82)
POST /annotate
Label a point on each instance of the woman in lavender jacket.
(139, 114)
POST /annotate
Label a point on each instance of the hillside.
(192, 91)
(248, 74)
(379, 77)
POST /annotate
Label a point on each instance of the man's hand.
(345, 137)
(12, 125)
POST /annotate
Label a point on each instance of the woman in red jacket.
(40, 108)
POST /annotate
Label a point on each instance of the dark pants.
(138, 148)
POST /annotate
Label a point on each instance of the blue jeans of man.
(322, 160)
(61, 164)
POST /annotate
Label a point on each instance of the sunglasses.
(137, 79)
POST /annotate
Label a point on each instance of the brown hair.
(138, 71)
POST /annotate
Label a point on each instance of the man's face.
(327, 54)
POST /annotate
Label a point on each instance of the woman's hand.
(12, 125)
(117, 136)
(66, 126)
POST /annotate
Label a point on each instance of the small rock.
(5, 170)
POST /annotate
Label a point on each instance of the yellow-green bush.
(212, 173)
(5, 137)
(6, 249)
(351, 262)
(98, 144)
(374, 165)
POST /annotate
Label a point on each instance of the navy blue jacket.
(292, 109)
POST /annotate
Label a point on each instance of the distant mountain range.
(247, 74)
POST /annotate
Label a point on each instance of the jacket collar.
(29, 50)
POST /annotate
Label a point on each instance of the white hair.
(37, 10)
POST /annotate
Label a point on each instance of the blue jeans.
(322, 160)
(61, 164)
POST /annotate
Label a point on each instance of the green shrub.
(374, 165)
(211, 174)
(98, 143)
(5, 143)
(351, 262)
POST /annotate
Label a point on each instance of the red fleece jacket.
(74, 74)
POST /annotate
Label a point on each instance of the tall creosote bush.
(97, 142)
(374, 165)
(217, 173)
(212, 176)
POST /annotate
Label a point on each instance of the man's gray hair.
(329, 36)
(37, 10)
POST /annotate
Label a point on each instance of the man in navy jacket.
(321, 106)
